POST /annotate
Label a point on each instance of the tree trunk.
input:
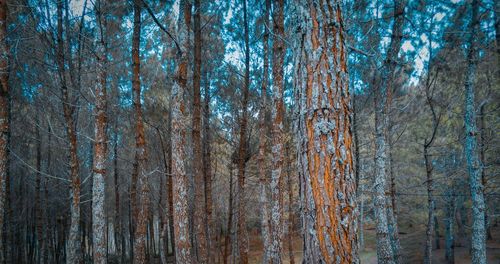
(163, 212)
(384, 247)
(142, 210)
(391, 201)
(49, 251)
(170, 186)
(4, 121)
(361, 235)
(207, 173)
(437, 243)
(430, 202)
(328, 194)
(277, 134)
(227, 239)
(449, 228)
(356, 141)
(263, 177)
(9, 230)
(474, 167)
(179, 177)
(73, 248)
(242, 235)
(387, 248)
(118, 224)
(482, 158)
(99, 241)
(38, 200)
(199, 184)
(496, 9)
(290, 206)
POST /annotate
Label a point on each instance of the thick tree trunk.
(99, 242)
(199, 183)
(328, 194)
(179, 177)
(73, 248)
(4, 121)
(277, 134)
(474, 167)
(263, 177)
(242, 235)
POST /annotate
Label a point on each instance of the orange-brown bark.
(325, 147)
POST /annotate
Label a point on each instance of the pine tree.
(277, 179)
(100, 145)
(328, 195)
(478, 243)
(179, 177)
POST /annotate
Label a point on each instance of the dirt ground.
(412, 249)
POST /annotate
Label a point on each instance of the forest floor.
(412, 243)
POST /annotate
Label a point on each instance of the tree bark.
(163, 212)
(242, 235)
(387, 248)
(199, 184)
(142, 210)
(227, 239)
(263, 177)
(4, 121)
(277, 134)
(170, 185)
(207, 173)
(384, 247)
(179, 177)
(474, 167)
(328, 194)
(290, 206)
(430, 201)
(482, 158)
(449, 228)
(118, 223)
(41, 246)
(391, 201)
(99, 242)
(73, 248)
(496, 9)
(49, 252)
